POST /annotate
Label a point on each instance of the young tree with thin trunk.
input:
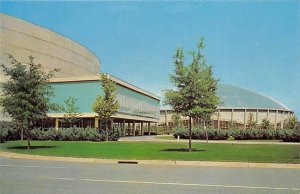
(176, 119)
(71, 110)
(195, 93)
(25, 95)
(107, 105)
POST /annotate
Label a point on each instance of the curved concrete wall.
(224, 116)
(22, 39)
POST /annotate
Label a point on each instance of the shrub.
(289, 135)
(73, 134)
(238, 134)
(253, 134)
(3, 134)
(8, 131)
(200, 133)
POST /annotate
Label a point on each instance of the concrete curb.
(153, 162)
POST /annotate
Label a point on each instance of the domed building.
(78, 76)
(237, 106)
(22, 39)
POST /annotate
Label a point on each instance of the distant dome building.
(237, 104)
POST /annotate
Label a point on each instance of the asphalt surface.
(33, 176)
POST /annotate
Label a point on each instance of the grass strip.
(159, 151)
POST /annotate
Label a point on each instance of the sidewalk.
(154, 139)
(153, 162)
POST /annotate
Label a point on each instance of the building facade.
(78, 76)
(138, 108)
(236, 108)
(23, 39)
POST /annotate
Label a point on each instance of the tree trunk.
(28, 141)
(28, 134)
(190, 134)
(106, 130)
(205, 128)
(22, 134)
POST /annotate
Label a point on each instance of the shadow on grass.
(31, 147)
(181, 150)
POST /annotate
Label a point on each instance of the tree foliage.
(251, 123)
(176, 119)
(195, 93)
(290, 122)
(265, 124)
(25, 95)
(107, 105)
(71, 110)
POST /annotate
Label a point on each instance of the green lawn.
(161, 151)
(165, 137)
(230, 139)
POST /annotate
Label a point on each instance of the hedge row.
(7, 132)
(73, 134)
(288, 135)
(197, 133)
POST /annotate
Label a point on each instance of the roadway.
(33, 176)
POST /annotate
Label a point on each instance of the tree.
(290, 122)
(251, 124)
(71, 110)
(176, 118)
(107, 105)
(265, 124)
(195, 94)
(26, 93)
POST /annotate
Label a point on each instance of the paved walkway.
(155, 138)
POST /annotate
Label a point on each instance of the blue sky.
(255, 44)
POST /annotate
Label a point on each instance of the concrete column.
(96, 122)
(268, 114)
(111, 126)
(218, 118)
(282, 119)
(123, 128)
(166, 118)
(133, 128)
(257, 116)
(56, 123)
(148, 128)
(129, 128)
(275, 123)
(245, 118)
(231, 116)
(142, 129)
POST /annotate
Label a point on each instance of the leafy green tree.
(290, 123)
(195, 93)
(176, 118)
(107, 105)
(251, 124)
(25, 95)
(71, 110)
(265, 124)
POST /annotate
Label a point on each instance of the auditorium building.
(78, 77)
